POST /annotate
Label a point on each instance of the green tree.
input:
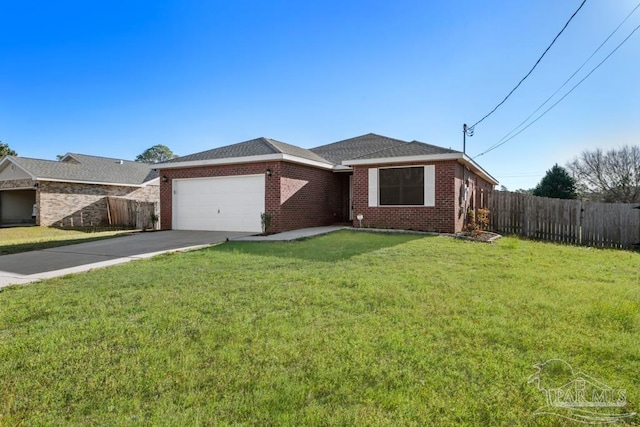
(156, 154)
(6, 151)
(557, 184)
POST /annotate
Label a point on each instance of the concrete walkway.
(288, 236)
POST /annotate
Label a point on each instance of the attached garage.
(227, 203)
(16, 207)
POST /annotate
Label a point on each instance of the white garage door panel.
(232, 203)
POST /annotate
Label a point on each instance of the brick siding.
(299, 196)
(17, 183)
(447, 216)
(319, 202)
(78, 205)
(296, 196)
(477, 189)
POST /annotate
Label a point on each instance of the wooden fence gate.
(131, 213)
(612, 225)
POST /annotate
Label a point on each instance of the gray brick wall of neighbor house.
(78, 205)
(17, 183)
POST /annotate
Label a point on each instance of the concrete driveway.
(32, 266)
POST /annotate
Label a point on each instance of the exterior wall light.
(164, 178)
(269, 172)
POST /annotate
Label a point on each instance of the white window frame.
(429, 186)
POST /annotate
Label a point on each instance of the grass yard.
(351, 328)
(24, 239)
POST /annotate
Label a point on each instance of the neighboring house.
(70, 192)
(388, 182)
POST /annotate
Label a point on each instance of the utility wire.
(533, 68)
(563, 97)
(568, 80)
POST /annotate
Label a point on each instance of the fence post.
(573, 221)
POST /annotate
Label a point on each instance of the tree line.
(611, 176)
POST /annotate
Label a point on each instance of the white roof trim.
(460, 157)
(345, 166)
(404, 159)
(245, 159)
(66, 156)
(476, 168)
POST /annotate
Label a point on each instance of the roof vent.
(120, 162)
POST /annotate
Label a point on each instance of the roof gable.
(68, 158)
(413, 148)
(84, 168)
(9, 170)
(373, 146)
(255, 147)
(294, 150)
(351, 148)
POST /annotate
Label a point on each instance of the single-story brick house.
(386, 182)
(72, 191)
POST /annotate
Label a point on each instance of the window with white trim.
(402, 186)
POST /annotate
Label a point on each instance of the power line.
(566, 81)
(534, 66)
(563, 97)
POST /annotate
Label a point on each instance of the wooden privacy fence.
(131, 213)
(613, 225)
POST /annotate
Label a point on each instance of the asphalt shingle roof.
(355, 147)
(413, 148)
(369, 146)
(372, 146)
(81, 167)
(255, 147)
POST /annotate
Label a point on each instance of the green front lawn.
(350, 328)
(24, 239)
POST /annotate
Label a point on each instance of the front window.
(401, 186)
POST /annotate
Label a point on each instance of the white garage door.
(229, 203)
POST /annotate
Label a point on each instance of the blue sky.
(113, 78)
